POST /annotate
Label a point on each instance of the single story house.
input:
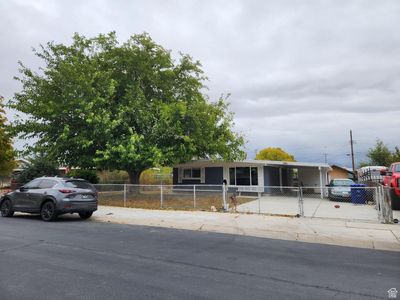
(340, 172)
(256, 175)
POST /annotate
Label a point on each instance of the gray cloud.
(301, 73)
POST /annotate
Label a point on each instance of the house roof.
(273, 163)
(343, 168)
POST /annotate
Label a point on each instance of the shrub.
(89, 175)
(40, 166)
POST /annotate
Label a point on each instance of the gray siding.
(271, 176)
(214, 175)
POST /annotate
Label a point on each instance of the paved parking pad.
(313, 207)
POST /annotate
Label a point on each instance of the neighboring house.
(258, 175)
(21, 164)
(340, 172)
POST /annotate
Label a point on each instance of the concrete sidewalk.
(313, 230)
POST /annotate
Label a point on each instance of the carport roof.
(205, 162)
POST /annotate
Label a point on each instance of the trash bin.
(358, 194)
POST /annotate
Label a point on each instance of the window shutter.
(180, 175)
(202, 175)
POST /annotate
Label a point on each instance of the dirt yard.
(173, 201)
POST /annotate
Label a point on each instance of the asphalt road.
(74, 259)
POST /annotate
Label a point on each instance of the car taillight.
(66, 191)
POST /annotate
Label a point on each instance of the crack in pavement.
(112, 252)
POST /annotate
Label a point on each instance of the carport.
(309, 175)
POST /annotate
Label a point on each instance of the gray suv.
(50, 197)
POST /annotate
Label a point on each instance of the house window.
(243, 176)
(232, 176)
(254, 176)
(192, 173)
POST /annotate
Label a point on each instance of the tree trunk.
(134, 176)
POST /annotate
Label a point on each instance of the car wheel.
(86, 215)
(6, 209)
(48, 211)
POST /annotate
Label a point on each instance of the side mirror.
(22, 189)
(383, 172)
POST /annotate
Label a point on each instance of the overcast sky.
(301, 73)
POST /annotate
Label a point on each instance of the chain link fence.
(350, 203)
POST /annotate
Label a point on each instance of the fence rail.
(354, 203)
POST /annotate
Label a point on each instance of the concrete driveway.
(313, 207)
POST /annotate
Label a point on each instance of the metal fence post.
(259, 204)
(194, 196)
(161, 196)
(224, 196)
(124, 195)
(301, 206)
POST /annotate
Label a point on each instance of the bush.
(89, 175)
(155, 176)
(40, 166)
(116, 177)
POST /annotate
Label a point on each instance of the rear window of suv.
(80, 184)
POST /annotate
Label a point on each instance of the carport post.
(124, 195)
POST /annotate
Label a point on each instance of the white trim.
(219, 163)
(260, 175)
(235, 167)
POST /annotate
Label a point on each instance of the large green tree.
(7, 162)
(271, 153)
(381, 155)
(130, 106)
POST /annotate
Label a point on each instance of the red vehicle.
(392, 179)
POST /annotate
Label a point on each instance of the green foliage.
(272, 153)
(115, 176)
(89, 175)
(125, 106)
(380, 154)
(156, 176)
(7, 155)
(396, 154)
(40, 166)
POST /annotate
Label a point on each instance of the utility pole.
(352, 152)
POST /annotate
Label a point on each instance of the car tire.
(6, 209)
(86, 215)
(48, 211)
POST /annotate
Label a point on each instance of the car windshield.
(80, 184)
(343, 182)
(397, 168)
